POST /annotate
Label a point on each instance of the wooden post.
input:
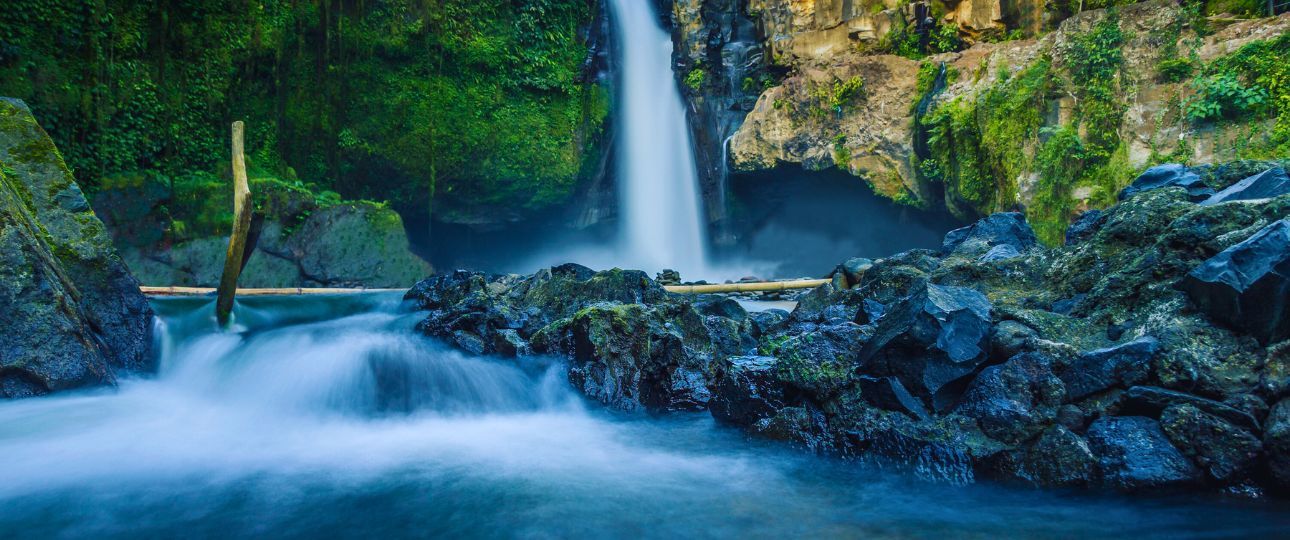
(237, 239)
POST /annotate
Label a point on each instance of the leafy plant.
(1223, 95)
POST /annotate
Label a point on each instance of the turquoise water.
(330, 418)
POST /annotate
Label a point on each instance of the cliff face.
(1113, 91)
(72, 313)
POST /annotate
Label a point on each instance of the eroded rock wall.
(809, 117)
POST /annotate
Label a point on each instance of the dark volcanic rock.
(1015, 400)
(746, 390)
(72, 313)
(1247, 286)
(821, 362)
(1057, 458)
(887, 393)
(1085, 226)
(1273, 182)
(1152, 401)
(1169, 174)
(1003, 229)
(1228, 453)
(933, 341)
(1276, 440)
(1134, 453)
(1119, 366)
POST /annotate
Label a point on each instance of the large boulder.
(1099, 370)
(73, 312)
(1003, 229)
(933, 341)
(1273, 182)
(1226, 452)
(746, 390)
(1152, 401)
(823, 361)
(1134, 453)
(1057, 458)
(1247, 286)
(1015, 400)
(1167, 175)
(354, 245)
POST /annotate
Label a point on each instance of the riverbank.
(1126, 359)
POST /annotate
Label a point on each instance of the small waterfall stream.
(661, 223)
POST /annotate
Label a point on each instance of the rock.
(854, 269)
(887, 393)
(977, 240)
(804, 426)
(933, 341)
(1167, 175)
(721, 306)
(823, 361)
(1226, 452)
(1152, 401)
(623, 356)
(1276, 440)
(73, 314)
(1121, 366)
(1010, 338)
(1015, 400)
(355, 245)
(871, 310)
(1133, 454)
(1273, 182)
(1000, 253)
(1247, 286)
(668, 277)
(746, 390)
(1084, 226)
(1058, 458)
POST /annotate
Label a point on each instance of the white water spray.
(659, 191)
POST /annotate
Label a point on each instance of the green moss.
(979, 147)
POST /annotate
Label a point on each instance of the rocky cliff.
(1147, 353)
(72, 313)
(985, 126)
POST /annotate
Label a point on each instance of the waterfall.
(658, 184)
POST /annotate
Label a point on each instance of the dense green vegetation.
(1251, 83)
(480, 103)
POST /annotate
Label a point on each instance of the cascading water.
(659, 193)
(331, 418)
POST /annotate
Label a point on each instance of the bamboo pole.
(236, 240)
(761, 286)
(283, 291)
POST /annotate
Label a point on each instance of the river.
(330, 417)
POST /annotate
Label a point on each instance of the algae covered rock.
(73, 313)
